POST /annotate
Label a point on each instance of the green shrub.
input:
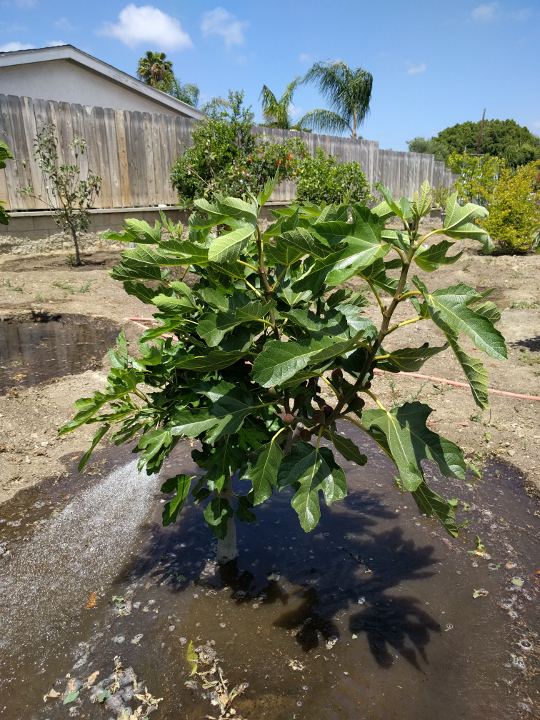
(478, 176)
(323, 180)
(514, 209)
(226, 158)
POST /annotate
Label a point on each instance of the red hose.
(417, 375)
(456, 384)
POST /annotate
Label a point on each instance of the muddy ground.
(30, 417)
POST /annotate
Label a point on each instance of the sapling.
(239, 358)
(69, 197)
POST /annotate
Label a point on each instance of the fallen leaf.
(71, 685)
(480, 593)
(71, 697)
(91, 680)
(92, 602)
(51, 694)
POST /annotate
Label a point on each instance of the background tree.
(347, 91)
(323, 180)
(277, 113)
(505, 139)
(154, 69)
(69, 197)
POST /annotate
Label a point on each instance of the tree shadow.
(532, 343)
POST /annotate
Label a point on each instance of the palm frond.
(324, 121)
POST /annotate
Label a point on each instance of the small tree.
(69, 197)
(227, 158)
(264, 326)
(478, 176)
(5, 154)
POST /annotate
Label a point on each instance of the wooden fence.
(134, 152)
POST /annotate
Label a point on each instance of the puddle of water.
(375, 608)
(31, 352)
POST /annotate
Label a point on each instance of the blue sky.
(434, 63)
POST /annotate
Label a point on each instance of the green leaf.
(216, 360)
(474, 371)
(153, 443)
(180, 484)
(71, 697)
(191, 423)
(213, 327)
(346, 447)
(448, 307)
(408, 359)
(429, 258)
(431, 504)
(227, 247)
(267, 190)
(488, 310)
(135, 272)
(222, 463)
(282, 254)
(145, 294)
(310, 470)
(217, 514)
(459, 222)
(214, 298)
(150, 235)
(401, 208)
(230, 410)
(305, 241)
(376, 273)
(262, 470)
(97, 437)
(172, 304)
(254, 311)
(410, 441)
(279, 361)
(168, 326)
(243, 511)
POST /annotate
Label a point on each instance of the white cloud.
(295, 110)
(221, 22)
(147, 24)
(305, 58)
(13, 46)
(417, 69)
(63, 24)
(56, 43)
(484, 13)
(25, 3)
(535, 124)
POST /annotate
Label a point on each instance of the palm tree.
(348, 93)
(277, 113)
(153, 68)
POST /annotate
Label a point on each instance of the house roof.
(78, 57)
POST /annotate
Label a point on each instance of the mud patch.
(51, 346)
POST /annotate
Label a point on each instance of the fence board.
(134, 153)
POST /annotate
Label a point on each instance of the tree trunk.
(226, 548)
(75, 242)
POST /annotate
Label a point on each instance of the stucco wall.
(64, 81)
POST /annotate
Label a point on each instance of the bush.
(226, 158)
(514, 209)
(478, 176)
(324, 180)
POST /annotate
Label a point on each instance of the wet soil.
(372, 616)
(49, 346)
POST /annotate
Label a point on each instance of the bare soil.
(30, 417)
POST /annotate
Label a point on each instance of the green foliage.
(348, 93)
(503, 139)
(324, 180)
(514, 209)
(69, 197)
(430, 146)
(5, 154)
(440, 195)
(226, 158)
(262, 329)
(478, 176)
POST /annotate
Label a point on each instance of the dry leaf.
(92, 602)
(92, 677)
(71, 685)
(51, 694)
